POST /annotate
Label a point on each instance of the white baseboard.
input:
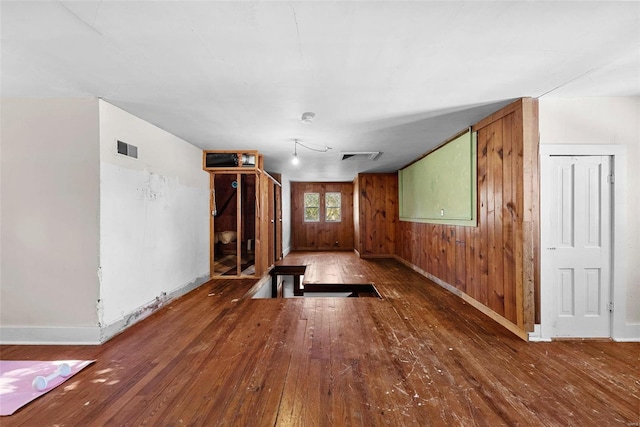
(536, 335)
(629, 332)
(49, 335)
(632, 334)
(90, 335)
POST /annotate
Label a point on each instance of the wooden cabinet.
(244, 214)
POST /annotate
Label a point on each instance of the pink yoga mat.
(16, 377)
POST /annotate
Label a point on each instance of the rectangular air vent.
(361, 155)
(127, 149)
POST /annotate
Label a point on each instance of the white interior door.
(576, 247)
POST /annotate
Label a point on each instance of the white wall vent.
(127, 149)
(361, 155)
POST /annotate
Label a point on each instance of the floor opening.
(319, 290)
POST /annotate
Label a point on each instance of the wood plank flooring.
(419, 356)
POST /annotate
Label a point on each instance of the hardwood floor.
(419, 356)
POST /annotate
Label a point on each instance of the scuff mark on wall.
(160, 301)
(99, 312)
(154, 187)
(137, 315)
(99, 305)
(146, 310)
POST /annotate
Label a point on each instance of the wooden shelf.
(231, 160)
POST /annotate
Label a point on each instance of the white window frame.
(327, 207)
(304, 207)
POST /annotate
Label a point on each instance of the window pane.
(333, 215)
(332, 200)
(311, 214)
(311, 200)
(311, 207)
(332, 203)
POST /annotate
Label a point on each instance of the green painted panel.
(441, 187)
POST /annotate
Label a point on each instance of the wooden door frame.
(620, 330)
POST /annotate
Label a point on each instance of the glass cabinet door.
(248, 225)
(234, 223)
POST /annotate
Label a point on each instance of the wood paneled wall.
(375, 214)
(321, 235)
(496, 263)
(356, 217)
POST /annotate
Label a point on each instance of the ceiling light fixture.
(295, 159)
(307, 117)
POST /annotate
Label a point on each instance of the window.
(332, 205)
(311, 207)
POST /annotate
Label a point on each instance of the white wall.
(49, 230)
(154, 224)
(605, 121)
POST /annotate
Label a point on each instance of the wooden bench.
(287, 270)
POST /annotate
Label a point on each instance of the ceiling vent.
(361, 155)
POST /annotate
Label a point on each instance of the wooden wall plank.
(519, 217)
(357, 212)
(460, 259)
(392, 212)
(482, 237)
(451, 254)
(372, 209)
(531, 188)
(493, 142)
(469, 256)
(496, 274)
(378, 219)
(379, 244)
(508, 220)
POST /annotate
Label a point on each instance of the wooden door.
(272, 223)
(576, 247)
(278, 222)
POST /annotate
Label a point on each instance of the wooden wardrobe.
(246, 214)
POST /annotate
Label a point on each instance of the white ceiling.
(396, 77)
